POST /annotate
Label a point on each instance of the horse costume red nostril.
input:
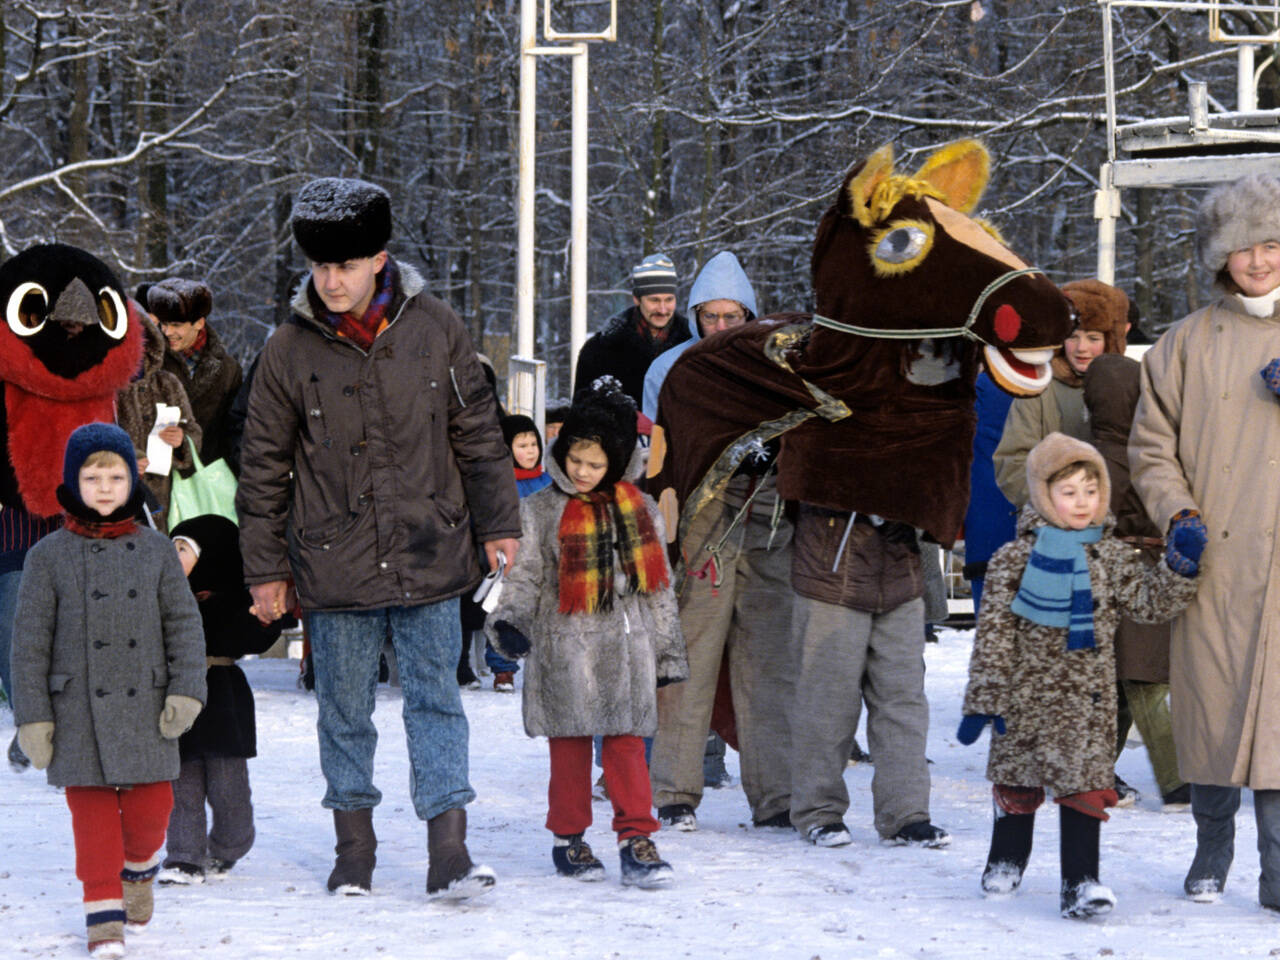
(1007, 324)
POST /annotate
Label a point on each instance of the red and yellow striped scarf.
(589, 526)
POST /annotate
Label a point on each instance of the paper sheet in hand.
(159, 453)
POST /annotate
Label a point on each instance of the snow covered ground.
(739, 892)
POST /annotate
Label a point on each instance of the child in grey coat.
(108, 670)
(589, 602)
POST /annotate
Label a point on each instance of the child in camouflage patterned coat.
(1043, 670)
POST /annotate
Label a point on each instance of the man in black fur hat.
(371, 450)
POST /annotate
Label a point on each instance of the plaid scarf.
(1055, 590)
(198, 344)
(361, 330)
(651, 334)
(589, 526)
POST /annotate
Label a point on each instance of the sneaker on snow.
(1129, 795)
(829, 835)
(573, 858)
(1203, 889)
(177, 873)
(922, 833)
(679, 816)
(1001, 879)
(1088, 899)
(504, 682)
(1177, 800)
(219, 868)
(641, 865)
(779, 821)
(18, 761)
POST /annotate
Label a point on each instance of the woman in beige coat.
(1206, 438)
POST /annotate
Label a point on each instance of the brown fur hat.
(175, 300)
(1050, 455)
(1100, 306)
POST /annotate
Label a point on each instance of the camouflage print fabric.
(1059, 705)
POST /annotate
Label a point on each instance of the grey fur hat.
(1237, 215)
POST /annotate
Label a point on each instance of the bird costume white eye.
(113, 316)
(27, 309)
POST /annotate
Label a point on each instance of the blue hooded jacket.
(721, 278)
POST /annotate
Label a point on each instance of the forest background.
(167, 136)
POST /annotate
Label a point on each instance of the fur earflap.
(1050, 455)
(1237, 215)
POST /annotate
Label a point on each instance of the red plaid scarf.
(199, 343)
(589, 526)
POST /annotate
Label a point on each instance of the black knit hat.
(515, 424)
(606, 414)
(336, 219)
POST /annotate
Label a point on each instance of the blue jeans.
(344, 647)
(9, 583)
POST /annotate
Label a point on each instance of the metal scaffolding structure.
(1199, 148)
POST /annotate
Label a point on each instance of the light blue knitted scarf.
(1055, 590)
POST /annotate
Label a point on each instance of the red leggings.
(625, 775)
(115, 827)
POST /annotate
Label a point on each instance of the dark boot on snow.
(352, 873)
(450, 873)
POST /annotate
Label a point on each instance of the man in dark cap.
(371, 452)
(629, 341)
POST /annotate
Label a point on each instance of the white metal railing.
(527, 181)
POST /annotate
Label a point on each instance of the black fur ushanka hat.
(336, 219)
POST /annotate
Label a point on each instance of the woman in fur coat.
(136, 414)
(1043, 670)
(589, 603)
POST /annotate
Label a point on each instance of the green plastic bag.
(211, 489)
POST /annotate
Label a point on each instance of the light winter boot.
(1011, 835)
(450, 873)
(356, 848)
(1082, 895)
(104, 926)
(641, 865)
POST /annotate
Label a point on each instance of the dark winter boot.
(1010, 850)
(352, 873)
(573, 858)
(1082, 895)
(450, 873)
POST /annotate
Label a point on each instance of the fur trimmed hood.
(1051, 454)
(1237, 215)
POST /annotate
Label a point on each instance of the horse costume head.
(898, 258)
(872, 395)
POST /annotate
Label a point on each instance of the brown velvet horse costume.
(872, 395)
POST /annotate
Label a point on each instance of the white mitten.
(178, 715)
(36, 741)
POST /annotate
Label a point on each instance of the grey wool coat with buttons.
(367, 474)
(1059, 705)
(104, 631)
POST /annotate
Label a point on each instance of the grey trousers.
(745, 617)
(224, 783)
(1214, 809)
(844, 657)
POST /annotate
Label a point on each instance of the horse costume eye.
(27, 309)
(901, 246)
(113, 316)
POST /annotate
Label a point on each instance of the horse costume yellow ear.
(862, 186)
(959, 171)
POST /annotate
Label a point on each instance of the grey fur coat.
(586, 674)
(104, 631)
(1059, 705)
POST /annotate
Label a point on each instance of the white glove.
(178, 715)
(36, 741)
